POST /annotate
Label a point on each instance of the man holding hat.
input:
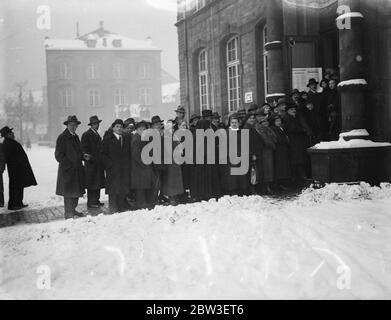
(91, 144)
(19, 169)
(116, 159)
(70, 177)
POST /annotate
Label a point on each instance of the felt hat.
(6, 130)
(94, 119)
(71, 119)
(117, 121)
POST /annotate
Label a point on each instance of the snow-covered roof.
(105, 42)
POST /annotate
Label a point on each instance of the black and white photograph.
(188, 150)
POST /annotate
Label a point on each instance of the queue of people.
(279, 135)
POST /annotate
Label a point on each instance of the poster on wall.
(300, 77)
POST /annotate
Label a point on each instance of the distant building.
(101, 73)
(170, 95)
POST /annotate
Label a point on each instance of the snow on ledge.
(352, 144)
(272, 42)
(355, 133)
(275, 95)
(350, 15)
(351, 82)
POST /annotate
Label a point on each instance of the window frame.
(145, 96)
(199, 4)
(203, 79)
(119, 96)
(118, 70)
(92, 72)
(66, 95)
(65, 70)
(95, 97)
(233, 67)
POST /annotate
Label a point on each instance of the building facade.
(101, 73)
(236, 52)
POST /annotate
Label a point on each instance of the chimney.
(101, 24)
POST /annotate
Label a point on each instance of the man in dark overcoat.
(144, 177)
(19, 169)
(70, 177)
(116, 160)
(91, 145)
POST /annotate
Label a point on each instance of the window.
(93, 97)
(118, 69)
(145, 71)
(91, 71)
(66, 97)
(265, 63)
(145, 96)
(119, 96)
(199, 4)
(65, 71)
(203, 80)
(234, 95)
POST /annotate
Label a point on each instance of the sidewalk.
(41, 215)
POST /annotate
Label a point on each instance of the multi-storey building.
(236, 52)
(101, 73)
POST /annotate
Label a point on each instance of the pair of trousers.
(15, 194)
(117, 203)
(70, 205)
(1, 190)
(93, 197)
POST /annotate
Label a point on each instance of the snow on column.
(274, 23)
(352, 63)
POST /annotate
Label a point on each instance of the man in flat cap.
(19, 169)
(70, 177)
(91, 144)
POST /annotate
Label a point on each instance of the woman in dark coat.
(269, 140)
(116, 160)
(256, 148)
(203, 174)
(144, 179)
(172, 182)
(19, 170)
(70, 177)
(235, 184)
(282, 169)
(298, 144)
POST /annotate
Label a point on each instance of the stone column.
(275, 31)
(351, 61)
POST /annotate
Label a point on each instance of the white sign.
(248, 97)
(300, 77)
(127, 110)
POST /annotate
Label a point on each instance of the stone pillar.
(275, 31)
(351, 61)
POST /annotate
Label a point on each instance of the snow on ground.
(45, 168)
(332, 243)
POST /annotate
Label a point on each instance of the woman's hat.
(6, 130)
(312, 81)
(207, 113)
(94, 119)
(180, 110)
(118, 121)
(194, 117)
(72, 119)
(156, 119)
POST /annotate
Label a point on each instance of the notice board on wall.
(300, 77)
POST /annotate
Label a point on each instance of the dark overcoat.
(18, 165)
(143, 176)
(269, 144)
(282, 167)
(116, 160)
(298, 140)
(70, 176)
(91, 143)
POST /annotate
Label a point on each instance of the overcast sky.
(22, 52)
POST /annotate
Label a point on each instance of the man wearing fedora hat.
(70, 177)
(117, 162)
(19, 169)
(91, 144)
